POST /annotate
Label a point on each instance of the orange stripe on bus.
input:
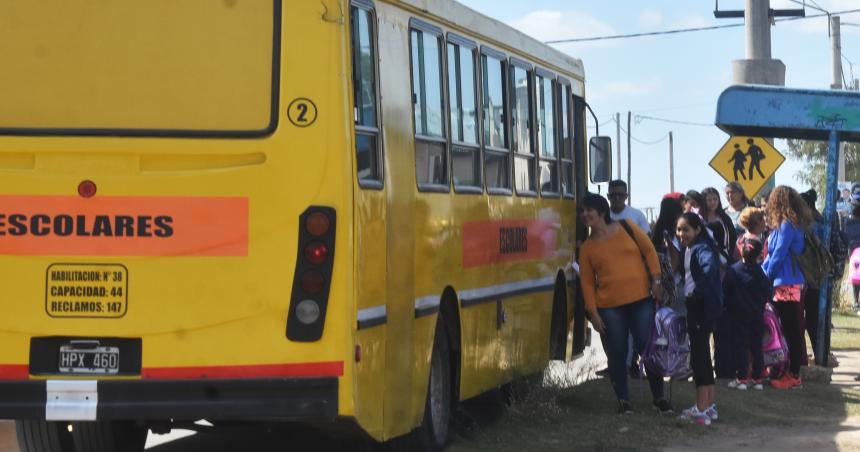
(498, 241)
(123, 226)
(14, 372)
(321, 369)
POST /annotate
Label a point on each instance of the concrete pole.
(836, 49)
(629, 159)
(618, 145)
(671, 164)
(758, 67)
(757, 20)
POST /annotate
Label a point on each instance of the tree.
(814, 156)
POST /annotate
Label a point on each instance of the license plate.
(88, 357)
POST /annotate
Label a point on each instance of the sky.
(676, 77)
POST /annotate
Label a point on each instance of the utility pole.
(629, 159)
(671, 164)
(618, 145)
(836, 50)
(758, 67)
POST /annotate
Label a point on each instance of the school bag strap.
(629, 232)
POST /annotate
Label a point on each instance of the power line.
(684, 30)
(644, 142)
(813, 5)
(673, 121)
(638, 35)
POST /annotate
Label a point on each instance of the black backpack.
(815, 261)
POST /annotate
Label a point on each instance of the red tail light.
(312, 282)
(318, 224)
(316, 252)
(312, 278)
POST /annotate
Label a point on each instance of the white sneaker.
(742, 386)
(735, 383)
(693, 415)
(712, 412)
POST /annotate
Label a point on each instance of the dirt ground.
(820, 435)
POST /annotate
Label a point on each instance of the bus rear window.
(154, 67)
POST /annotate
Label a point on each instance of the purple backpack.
(668, 351)
(773, 343)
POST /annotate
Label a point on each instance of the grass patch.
(561, 416)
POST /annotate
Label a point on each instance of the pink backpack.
(773, 343)
(854, 266)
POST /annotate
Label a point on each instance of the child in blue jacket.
(704, 299)
(747, 289)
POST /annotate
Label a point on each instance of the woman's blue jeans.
(636, 319)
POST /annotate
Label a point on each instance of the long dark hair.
(670, 210)
(598, 203)
(712, 191)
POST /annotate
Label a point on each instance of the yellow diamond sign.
(748, 160)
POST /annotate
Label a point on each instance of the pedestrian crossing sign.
(751, 161)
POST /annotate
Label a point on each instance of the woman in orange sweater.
(617, 290)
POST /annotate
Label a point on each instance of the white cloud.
(598, 91)
(650, 18)
(550, 25)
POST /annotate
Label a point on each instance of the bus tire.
(434, 431)
(109, 436)
(557, 329)
(43, 436)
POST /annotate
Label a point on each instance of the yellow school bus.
(343, 212)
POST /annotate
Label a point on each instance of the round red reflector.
(318, 224)
(87, 189)
(312, 282)
(316, 252)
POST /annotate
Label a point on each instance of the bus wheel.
(432, 435)
(109, 436)
(43, 436)
(558, 330)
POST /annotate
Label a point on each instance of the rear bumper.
(213, 399)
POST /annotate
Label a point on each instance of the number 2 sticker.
(302, 112)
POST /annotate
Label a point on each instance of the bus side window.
(545, 108)
(496, 154)
(431, 162)
(462, 90)
(367, 139)
(521, 128)
(565, 139)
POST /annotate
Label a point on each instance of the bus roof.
(469, 21)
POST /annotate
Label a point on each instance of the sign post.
(750, 161)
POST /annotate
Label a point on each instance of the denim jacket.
(779, 265)
(705, 268)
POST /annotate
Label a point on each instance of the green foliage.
(814, 156)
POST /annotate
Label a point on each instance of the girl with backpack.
(788, 216)
(621, 304)
(747, 289)
(704, 299)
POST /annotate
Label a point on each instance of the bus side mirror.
(600, 159)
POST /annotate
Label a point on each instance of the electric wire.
(639, 118)
(685, 30)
